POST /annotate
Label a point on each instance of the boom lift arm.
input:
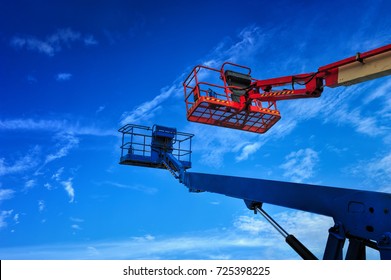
(362, 217)
(231, 97)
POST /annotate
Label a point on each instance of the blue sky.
(72, 73)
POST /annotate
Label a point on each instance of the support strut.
(292, 241)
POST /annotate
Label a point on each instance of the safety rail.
(143, 145)
(216, 97)
(134, 134)
(195, 87)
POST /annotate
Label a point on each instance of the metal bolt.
(385, 239)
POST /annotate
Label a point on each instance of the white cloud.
(213, 144)
(89, 40)
(145, 238)
(66, 143)
(76, 224)
(6, 194)
(56, 176)
(235, 243)
(100, 109)
(54, 126)
(254, 224)
(300, 165)
(53, 43)
(203, 245)
(33, 44)
(76, 220)
(134, 187)
(375, 171)
(30, 124)
(310, 229)
(68, 187)
(382, 90)
(92, 251)
(63, 36)
(362, 124)
(76, 227)
(63, 77)
(343, 106)
(20, 165)
(251, 39)
(247, 150)
(248, 42)
(251, 237)
(29, 184)
(16, 218)
(148, 109)
(41, 205)
(48, 186)
(5, 214)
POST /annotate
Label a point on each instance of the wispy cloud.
(252, 225)
(375, 171)
(148, 109)
(344, 107)
(57, 176)
(134, 187)
(76, 220)
(145, 238)
(63, 77)
(247, 150)
(4, 215)
(6, 194)
(294, 222)
(54, 126)
(381, 91)
(363, 124)
(250, 238)
(48, 186)
(32, 43)
(66, 143)
(89, 40)
(241, 48)
(29, 184)
(53, 43)
(31, 124)
(16, 218)
(214, 146)
(176, 247)
(300, 165)
(68, 187)
(76, 227)
(22, 164)
(100, 109)
(41, 205)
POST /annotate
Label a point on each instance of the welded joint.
(337, 231)
(253, 205)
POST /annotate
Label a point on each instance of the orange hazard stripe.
(278, 93)
(216, 100)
